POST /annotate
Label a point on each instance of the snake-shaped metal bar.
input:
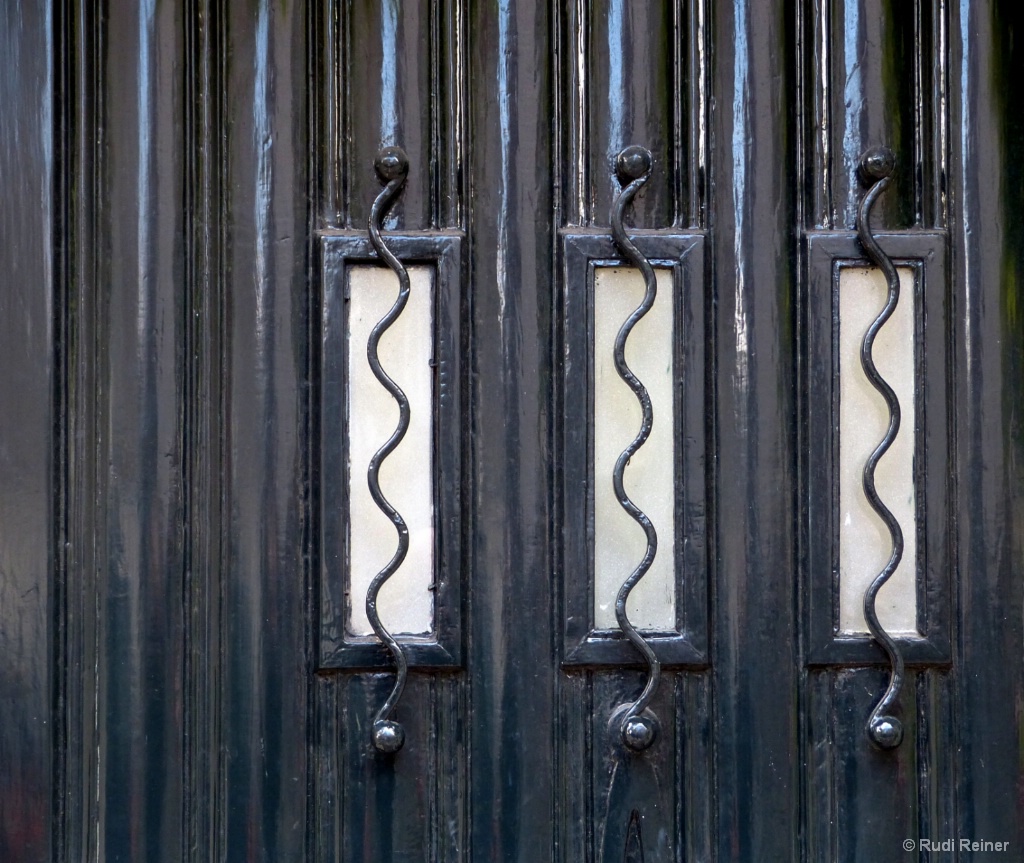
(876, 170)
(633, 167)
(392, 166)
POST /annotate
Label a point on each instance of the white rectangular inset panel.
(649, 479)
(405, 602)
(864, 541)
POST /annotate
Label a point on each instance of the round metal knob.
(639, 732)
(388, 736)
(391, 163)
(876, 164)
(632, 163)
(886, 732)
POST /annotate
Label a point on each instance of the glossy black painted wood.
(413, 806)
(874, 74)
(987, 190)
(753, 623)
(29, 536)
(511, 268)
(686, 642)
(266, 638)
(166, 167)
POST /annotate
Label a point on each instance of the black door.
(632, 381)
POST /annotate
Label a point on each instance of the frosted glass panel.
(864, 541)
(619, 542)
(405, 602)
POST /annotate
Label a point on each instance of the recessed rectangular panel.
(353, 416)
(865, 544)
(602, 545)
(649, 479)
(846, 418)
(405, 350)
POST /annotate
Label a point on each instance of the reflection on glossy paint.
(389, 73)
(853, 35)
(741, 145)
(505, 123)
(967, 131)
(145, 123)
(618, 54)
(580, 51)
(261, 197)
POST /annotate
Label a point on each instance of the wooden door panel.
(162, 428)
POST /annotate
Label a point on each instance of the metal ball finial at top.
(391, 164)
(632, 163)
(876, 164)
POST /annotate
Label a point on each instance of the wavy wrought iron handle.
(392, 166)
(633, 167)
(876, 170)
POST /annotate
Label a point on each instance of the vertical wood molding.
(987, 227)
(627, 74)
(357, 106)
(874, 73)
(203, 430)
(80, 323)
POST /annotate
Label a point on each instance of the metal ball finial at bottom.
(638, 733)
(388, 736)
(886, 732)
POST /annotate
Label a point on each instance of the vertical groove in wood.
(694, 766)
(449, 155)
(82, 408)
(202, 431)
(681, 100)
(875, 73)
(656, 96)
(448, 773)
(936, 739)
(434, 781)
(67, 686)
(815, 114)
(436, 149)
(941, 71)
(326, 48)
(693, 71)
(573, 34)
(819, 801)
(587, 777)
(429, 120)
(753, 269)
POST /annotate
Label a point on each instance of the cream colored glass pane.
(619, 541)
(405, 602)
(864, 541)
